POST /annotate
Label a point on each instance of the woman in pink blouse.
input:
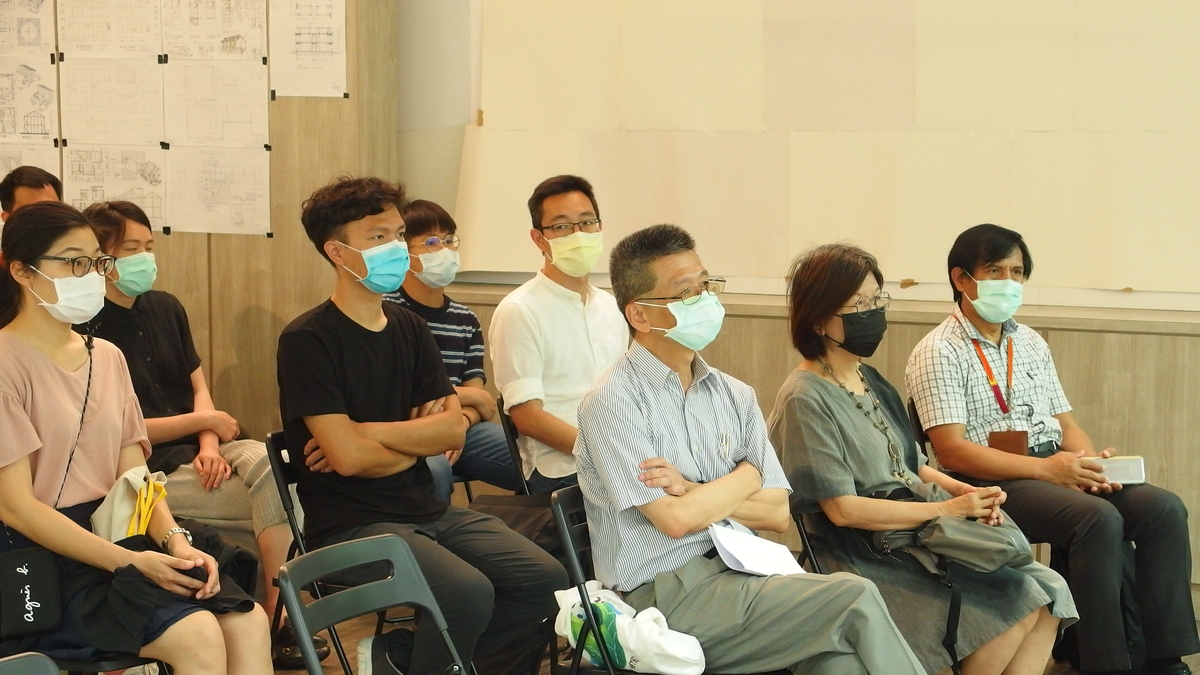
(70, 425)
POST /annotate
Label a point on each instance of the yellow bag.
(148, 497)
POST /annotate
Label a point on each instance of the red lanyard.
(992, 378)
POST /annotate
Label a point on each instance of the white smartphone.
(1126, 469)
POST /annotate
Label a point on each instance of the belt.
(1043, 449)
(711, 553)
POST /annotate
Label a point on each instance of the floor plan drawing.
(112, 101)
(27, 97)
(219, 190)
(109, 28)
(101, 173)
(26, 27)
(308, 47)
(216, 102)
(215, 29)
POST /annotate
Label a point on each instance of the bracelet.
(172, 532)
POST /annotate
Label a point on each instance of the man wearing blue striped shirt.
(669, 445)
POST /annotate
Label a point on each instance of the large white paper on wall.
(26, 27)
(100, 173)
(28, 99)
(216, 102)
(308, 47)
(219, 190)
(42, 155)
(230, 29)
(115, 101)
(111, 28)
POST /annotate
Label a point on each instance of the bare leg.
(193, 646)
(996, 654)
(1034, 652)
(273, 544)
(247, 642)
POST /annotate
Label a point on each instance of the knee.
(857, 588)
(251, 627)
(471, 595)
(196, 643)
(1102, 520)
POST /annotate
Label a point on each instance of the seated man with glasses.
(988, 395)
(553, 336)
(433, 247)
(667, 447)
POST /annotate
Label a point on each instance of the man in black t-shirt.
(363, 393)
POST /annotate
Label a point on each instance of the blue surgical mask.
(136, 273)
(998, 299)
(386, 266)
(697, 324)
(438, 268)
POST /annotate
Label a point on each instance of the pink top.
(40, 405)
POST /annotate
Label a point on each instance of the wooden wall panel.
(183, 271)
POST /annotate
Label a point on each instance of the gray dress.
(829, 448)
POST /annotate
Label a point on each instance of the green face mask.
(998, 299)
(136, 273)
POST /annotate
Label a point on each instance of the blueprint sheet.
(43, 155)
(27, 27)
(28, 99)
(112, 101)
(99, 173)
(308, 47)
(219, 190)
(216, 102)
(110, 28)
(205, 29)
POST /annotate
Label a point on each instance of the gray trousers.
(809, 623)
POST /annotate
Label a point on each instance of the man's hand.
(222, 424)
(314, 457)
(479, 399)
(453, 456)
(1077, 471)
(974, 498)
(212, 467)
(658, 472)
(427, 408)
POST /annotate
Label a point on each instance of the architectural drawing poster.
(308, 47)
(231, 29)
(219, 190)
(216, 103)
(26, 27)
(112, 101)
(42, 155)
(28, 99)
(99, 173)
(112, 28)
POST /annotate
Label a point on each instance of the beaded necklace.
(878, 420)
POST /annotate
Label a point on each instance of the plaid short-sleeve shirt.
(948, 384)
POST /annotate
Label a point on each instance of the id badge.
(1015, 442)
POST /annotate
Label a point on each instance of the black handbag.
(30, 587)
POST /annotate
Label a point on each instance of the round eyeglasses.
(82, 264)
(692, 295)
(451, 242)
(864, 305)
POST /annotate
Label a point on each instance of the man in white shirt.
(553, 336)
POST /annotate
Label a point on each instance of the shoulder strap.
(87, 341)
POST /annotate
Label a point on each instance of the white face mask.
(79, 298)
(438, 268)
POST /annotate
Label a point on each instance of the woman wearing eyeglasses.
(843, 438)
(70, 426)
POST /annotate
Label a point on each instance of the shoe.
(285, 653)
(387, 654)
(1174, 666)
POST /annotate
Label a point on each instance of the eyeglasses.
(864, 305)
(692, 295)
(451, 242)
(565, 229)
(82, 264)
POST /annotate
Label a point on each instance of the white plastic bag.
(643, 643)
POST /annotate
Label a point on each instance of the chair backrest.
(807, 554)
(571, 517)
(510, 435)
(29, 663)
(405, 586)
(285, 476)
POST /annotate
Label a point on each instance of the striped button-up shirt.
(636, 411)
(949, 385)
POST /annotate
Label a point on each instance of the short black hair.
(108, 221)
(422, 216)
(981, 245)
(343, 201)
(31, 177)
(558, 185)
(629, 262)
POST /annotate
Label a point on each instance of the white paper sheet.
(231, 29)
(116, 28)
(216, 103)
(42, 155)
(97, 173)
(112, 101)
(224, 190)
(28, 99)
(308, 47)
(27, 27)
(751, 554)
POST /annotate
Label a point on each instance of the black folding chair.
(405, 585)
(29, 663)
(105, 664)
(807, 555)
(510, 435)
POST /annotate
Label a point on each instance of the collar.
(658, 374)
(970, 332)
(562, 291)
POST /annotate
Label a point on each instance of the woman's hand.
(212, 468)
(163, 570)
(181, 550)
(980, 503)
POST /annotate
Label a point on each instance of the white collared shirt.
(547, 344)
(949, 385)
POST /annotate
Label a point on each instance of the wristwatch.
(172, 532)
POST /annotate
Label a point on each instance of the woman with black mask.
(844, 440)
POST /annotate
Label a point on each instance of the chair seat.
(103, 664)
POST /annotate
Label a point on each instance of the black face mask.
(863, 332)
